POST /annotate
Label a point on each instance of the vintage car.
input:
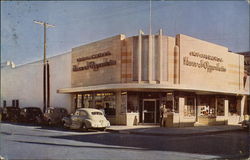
(245, 124)
(53, 116)
(1, 113)
(86, 118)
(31, 114)
(10, 113)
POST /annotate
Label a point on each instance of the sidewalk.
(185, 131)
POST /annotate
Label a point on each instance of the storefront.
(199, 82)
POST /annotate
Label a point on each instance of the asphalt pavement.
(35, 142)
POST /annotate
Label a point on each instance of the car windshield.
(96, 113)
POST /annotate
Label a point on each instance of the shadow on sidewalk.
(221, 145)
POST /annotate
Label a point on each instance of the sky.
(80, 22)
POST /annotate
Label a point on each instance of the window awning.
(146, 87)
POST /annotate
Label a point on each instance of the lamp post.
(45, 68)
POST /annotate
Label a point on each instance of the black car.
(31, 115)
(1, 113)
(245, 124)
(10, 113)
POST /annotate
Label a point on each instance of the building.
(131, 77)
(23, 85)
(247, 73)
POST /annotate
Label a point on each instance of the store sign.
(93, 65)
(103, 54)
(203, 63)
(205, 56)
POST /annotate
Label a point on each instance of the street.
(35, 142)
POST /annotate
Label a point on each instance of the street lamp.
(45, 67)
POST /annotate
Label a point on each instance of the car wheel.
(84, 127)
(63, 124)
(102, 129)
(49, 122)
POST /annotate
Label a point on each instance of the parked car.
(1, 114)
(54, 116)
(31, 114)
(245, 124)
(11, 113)
(86, 118)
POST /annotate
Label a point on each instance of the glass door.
(149, 111)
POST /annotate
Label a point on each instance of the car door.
(75, 120)
(83, 116)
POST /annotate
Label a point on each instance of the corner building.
(131, 77)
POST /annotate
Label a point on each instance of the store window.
(248, 107)
(176, 104)
(106, 103)
(75, 101)
(220, 107)
(232, 102)
(133, 103)
(207, 107)
(79, 101)
(189, 108)
(87, 100)
(169, 102)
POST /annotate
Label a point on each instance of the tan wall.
(200, 78)
(171, 58)
(104, 75)
(127, 60)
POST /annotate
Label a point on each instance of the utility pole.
(46, 104)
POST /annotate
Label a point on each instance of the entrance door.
(149, 111)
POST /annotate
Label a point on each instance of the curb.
(171, 134)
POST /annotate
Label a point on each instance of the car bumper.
(99, 125)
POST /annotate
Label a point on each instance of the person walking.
(162, 114)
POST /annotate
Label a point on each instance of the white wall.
(25, 82)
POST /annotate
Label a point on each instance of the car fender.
(66, 120)
(88, 123)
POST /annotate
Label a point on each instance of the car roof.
(89, 110)
(31, 107)
(56, 108)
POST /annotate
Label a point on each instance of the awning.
(146, 87)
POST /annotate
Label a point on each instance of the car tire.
(102, 129)
(63, 124)
(84, 127)
(49, 122)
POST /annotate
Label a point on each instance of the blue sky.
(80, 22)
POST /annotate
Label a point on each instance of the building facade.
(24, 83)
(130, 78)
(199, 82)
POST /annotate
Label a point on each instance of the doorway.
(149, 111)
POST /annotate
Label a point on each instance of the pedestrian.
(162, 114)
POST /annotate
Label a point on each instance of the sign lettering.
(103, 54)
(204, 64)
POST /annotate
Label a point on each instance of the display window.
(133, 103)
(176, 104)
(87, 100)
(248, 106)
(79, 101)
(189, 108)
(232, 102)
(220, 107)
(207, 107)
(169, 101)
(106, 103)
